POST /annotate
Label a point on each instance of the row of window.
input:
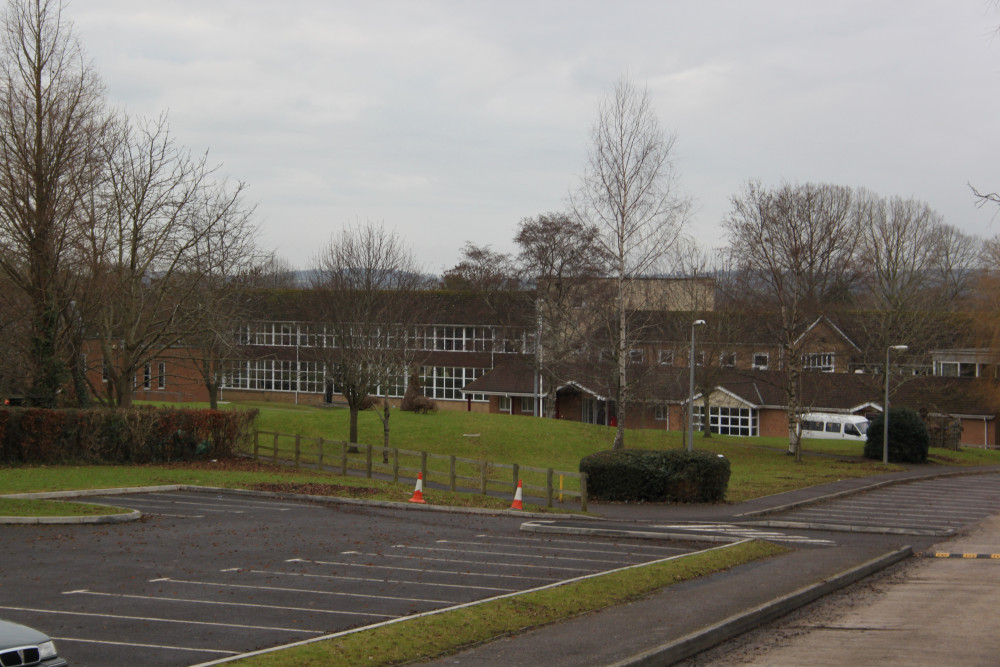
(147, 376)
(310, 377)
(818, 361)
(722, 420)
(425, 338)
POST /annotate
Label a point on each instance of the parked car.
(20, 646)
(827, 426)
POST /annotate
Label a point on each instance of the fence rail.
(455, 472)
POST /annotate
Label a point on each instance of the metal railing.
(452, 472)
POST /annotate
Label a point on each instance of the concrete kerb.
(848, 528)
(696, 642)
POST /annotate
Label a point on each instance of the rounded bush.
(656, 476)
(909, 441)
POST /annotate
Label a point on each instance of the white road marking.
(310, 591)
(381, 581)
(565, 550)
(163, 620)
(651, 548)
(750, 532)
(396, 568)
(232, 604)
(503, 554)
(158, 646)
(476, 562)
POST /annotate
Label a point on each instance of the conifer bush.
(909, 441)
(656, 476)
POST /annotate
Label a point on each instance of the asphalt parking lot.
(205, 576)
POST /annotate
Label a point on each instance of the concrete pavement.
(937, 611)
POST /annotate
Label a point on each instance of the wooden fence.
(454, 472)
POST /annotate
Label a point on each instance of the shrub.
(138, 435)
(908, 437)
(656, 476)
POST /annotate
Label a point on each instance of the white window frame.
(757, 366)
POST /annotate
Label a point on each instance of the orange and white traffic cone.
(518, 505)
(418, 493)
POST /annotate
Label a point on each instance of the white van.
(832, 426)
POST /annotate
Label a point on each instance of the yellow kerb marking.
(968, 555)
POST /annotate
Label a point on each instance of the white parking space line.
(217, 603)
(147, 646)
(561, 550)
(161, 620)
(647, 551)
(381, 581)
(747, 531)
(140, 503)
(396, 568)
(459, 560)
(308, 591)
(241, 501)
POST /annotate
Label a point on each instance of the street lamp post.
(690, 438)
(885, 407)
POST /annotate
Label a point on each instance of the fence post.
(583, 492)
(319, 453)
(451, 473)
(395, 464)
(298, 449)
(256, 444)
(517, 471)
(482, 477)
(368, 461)
(423, 465)
(343, 458)
(548, 487)
(274, 454)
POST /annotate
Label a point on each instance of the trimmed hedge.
(656, 476)
(909, 441)
(137, 435)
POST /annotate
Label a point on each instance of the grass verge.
(45, 508)
(431, 635)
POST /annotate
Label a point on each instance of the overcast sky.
(452, 121)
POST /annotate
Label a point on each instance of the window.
(819, 361)
(665, 357)
(832, 427)
(727, 360)
(636, 356)
(447, 383)
(699, 358)
(147, 375)
(504, 402)
(660, 413)
(527, 405)
(728, 421)
(761, 361)
(161, 375)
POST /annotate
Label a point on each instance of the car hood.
(12, 634)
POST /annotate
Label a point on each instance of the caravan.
(833, 426)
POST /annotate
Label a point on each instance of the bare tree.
(629, 191)
(565, 259)
(160, 207)
(796, 249)
(365, 285)
(226, 263)
(51, 125)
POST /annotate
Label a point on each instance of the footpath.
(687, 618)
